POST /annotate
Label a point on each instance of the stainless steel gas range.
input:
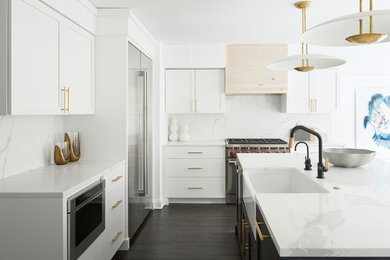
(246, 145)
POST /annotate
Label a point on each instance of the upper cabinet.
(194, 56)
(49, 66)
(194, 91)
(34, 59)
(313, 92)
(246, 72)
(77, 68)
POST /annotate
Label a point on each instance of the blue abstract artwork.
(378, 118)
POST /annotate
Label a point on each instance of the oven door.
(85, 224)
(231, 181)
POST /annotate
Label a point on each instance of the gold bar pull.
(64, 109)
(117, 204)
(117, 236)
(68, 100)
(259, 230)
(195, 188)
(117, 178)
(194, 152)
(195, 168)
(311, 105)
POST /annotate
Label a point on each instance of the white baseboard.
(197, 201)
(125, 245)
(158, 204)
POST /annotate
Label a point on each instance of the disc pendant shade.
(305, 62)
(317, 61)
(354, 29)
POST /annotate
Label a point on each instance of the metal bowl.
(348, 157)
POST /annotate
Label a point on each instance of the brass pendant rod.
(361, 20)
(371, 7)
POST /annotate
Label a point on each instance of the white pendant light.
(350, 30)
(305, 62)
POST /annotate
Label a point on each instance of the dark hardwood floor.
(183, 231)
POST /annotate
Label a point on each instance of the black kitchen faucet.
(321, 168)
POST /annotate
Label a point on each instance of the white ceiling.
(232, 21)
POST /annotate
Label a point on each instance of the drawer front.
(115, 221)
(115, 177)
(195, 168)
(195, 187)
(195, 152)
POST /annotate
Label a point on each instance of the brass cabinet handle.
(259, 230)
(117, 236)
(244, 226)
(117, 204)
(195, 188)
(117, 178)
(195, 168)
(64, 108)
(194, 152)
(68, 100)
(311, 105)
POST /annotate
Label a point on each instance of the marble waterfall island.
(344, 215)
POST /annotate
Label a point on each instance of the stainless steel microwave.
(86, 218)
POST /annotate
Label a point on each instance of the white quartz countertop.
(351, 220)
(196, 143)
(55, 181)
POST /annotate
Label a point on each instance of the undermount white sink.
(283, 180)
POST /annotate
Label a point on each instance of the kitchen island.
(350, 218)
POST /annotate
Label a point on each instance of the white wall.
(251, 116)
(27, 142)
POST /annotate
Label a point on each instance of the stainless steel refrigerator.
(139, 138)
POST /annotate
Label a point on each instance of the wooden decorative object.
(59, 156)
(72, 156)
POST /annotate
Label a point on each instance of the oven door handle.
(85, 202)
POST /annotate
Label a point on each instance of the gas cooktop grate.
(244, 141)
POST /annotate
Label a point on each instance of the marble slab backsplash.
(26, 142)
(251, 116)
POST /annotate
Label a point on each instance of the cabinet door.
(34, 58)
(325, 88)
(266, 249)
(297, 100)
(209, 91)
(180, 91)
(77, 68)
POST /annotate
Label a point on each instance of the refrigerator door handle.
(142, 175)
(146, 170)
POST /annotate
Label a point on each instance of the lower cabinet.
(193, 172)
(265, 247)
(106, 245)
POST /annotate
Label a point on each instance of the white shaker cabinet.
(194, 91)
(47, 61)
(180, 91)
(313, 92)
(34, 74)
(77, 69)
